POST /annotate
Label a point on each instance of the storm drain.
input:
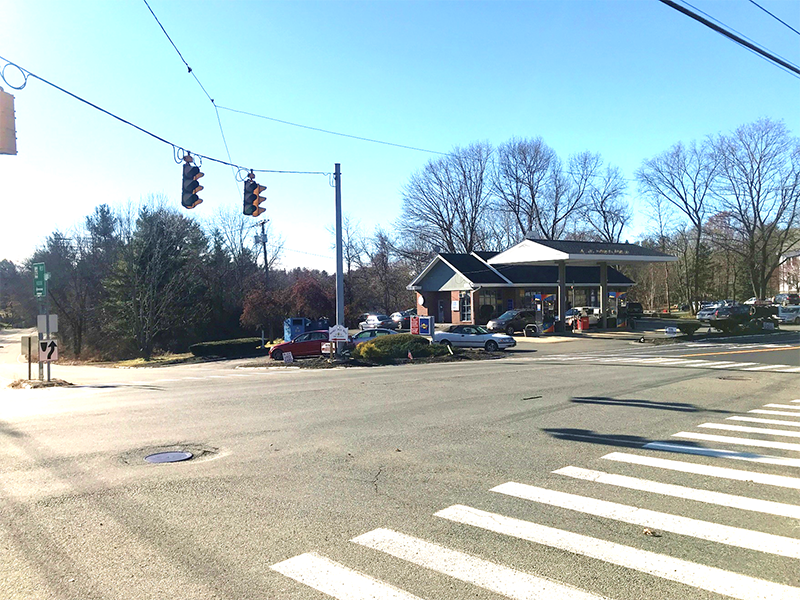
(168, 457)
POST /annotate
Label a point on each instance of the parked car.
(707, 312)
(512, 320)
(573, 314)
(370, 334)
(374, 320)
(756, 301)
(473, 336)
(789, 314)
(634, 309)
(729, 318)
(786, 299)
(305, 344)
(403, 318)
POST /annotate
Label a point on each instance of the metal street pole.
(337, 175)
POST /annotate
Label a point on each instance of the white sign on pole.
(326, 347)
(338, 333)
(48, 350)
(41, 323)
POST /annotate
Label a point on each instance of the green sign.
(39, 281)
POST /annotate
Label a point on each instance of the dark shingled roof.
(472, 268)
(576, 247)
(548, 274)
(486, 254)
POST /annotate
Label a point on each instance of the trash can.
(583, 324)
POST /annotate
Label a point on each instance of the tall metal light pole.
(337, 175)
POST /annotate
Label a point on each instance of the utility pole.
(337, 176)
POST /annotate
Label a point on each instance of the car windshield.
(509, 314)
(481, 330)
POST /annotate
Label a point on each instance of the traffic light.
(252, 199)
(191, 188)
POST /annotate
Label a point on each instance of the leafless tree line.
(479, 198)
(735, 194)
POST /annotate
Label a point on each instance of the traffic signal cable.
(27, 74)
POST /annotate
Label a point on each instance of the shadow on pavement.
(592, 437)
(674, 406)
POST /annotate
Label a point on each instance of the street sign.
(39, 280)
(338, 333)
(44, 327)
(48, 350)
(27, 341)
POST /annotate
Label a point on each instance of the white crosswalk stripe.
(705, 530)
(767, 421)
(718, 453)
(483, 573)
(782, 413)
(744, 429)
(674, 569)
(338, 581)
(791, 406)
(344, 583)
(739, 441)
(707, 470)
(677, 491)
(667, 361)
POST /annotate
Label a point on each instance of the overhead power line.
(774, 17)
(736, 38)
(216, 108)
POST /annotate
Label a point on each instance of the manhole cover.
(168, 457)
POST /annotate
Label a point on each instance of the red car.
(305, 344)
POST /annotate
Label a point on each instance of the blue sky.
(623, 78)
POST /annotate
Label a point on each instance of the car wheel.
(510, 330)
(277, 355)
(491, 346)
(797, 320)
(445, 343)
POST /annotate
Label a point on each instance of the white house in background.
(789, 273)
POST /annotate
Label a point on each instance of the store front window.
(490, 305)
(465, 299)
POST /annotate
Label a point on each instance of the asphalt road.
(428, 481)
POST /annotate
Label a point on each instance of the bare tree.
(447, 201)
(532, 186)
(606, 211)
(520, 181)
(683, 176)
(759, 184)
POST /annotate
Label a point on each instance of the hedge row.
(389, 347)
(229, 348)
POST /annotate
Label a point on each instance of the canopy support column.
(562, 293)
(603, 295)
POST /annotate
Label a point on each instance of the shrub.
(229, 348)
(390, 347)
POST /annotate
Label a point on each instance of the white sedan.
(473, 336)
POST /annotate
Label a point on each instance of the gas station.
(546, 276)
